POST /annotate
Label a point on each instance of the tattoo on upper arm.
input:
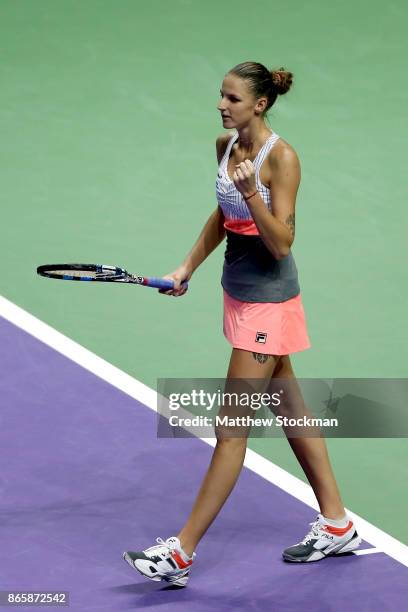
(290, 222)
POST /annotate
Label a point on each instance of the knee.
(230, 434)
(230, 439)
(285, 409)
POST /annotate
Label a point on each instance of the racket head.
(82, 272)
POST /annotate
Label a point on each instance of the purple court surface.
(84, 478)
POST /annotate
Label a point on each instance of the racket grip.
(164, 283)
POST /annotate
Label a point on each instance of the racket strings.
(83, 271)
(97, 272)
(76, 273)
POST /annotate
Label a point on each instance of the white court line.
(366, 551)
(144, 394)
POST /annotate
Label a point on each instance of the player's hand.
(244, 178)
(181, 274)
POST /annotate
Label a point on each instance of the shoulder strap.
(228, 149)
(265, 150)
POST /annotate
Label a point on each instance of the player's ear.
(260, 105)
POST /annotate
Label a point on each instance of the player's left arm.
(276, 227)
(285, 175)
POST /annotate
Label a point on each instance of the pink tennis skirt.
(273, 328)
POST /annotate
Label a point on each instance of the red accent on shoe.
(178, 559)
(338, 531)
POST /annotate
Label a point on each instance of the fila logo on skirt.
(261, 337)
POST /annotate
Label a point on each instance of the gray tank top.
(252, 274)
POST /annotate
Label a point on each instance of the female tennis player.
(264, 321)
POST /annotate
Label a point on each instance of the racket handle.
(163, 283)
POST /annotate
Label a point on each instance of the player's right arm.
(212, 234)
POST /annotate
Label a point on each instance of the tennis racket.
(104, 274)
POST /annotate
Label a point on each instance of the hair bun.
(282, 80)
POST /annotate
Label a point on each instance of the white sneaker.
(164, 561)
(323, 540)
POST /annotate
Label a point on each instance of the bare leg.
(313, 457)
(228, 456)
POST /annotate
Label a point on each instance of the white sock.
(184, 555)
(337, 523)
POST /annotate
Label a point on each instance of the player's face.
(237, 103)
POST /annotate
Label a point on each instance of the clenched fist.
(244, 178)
